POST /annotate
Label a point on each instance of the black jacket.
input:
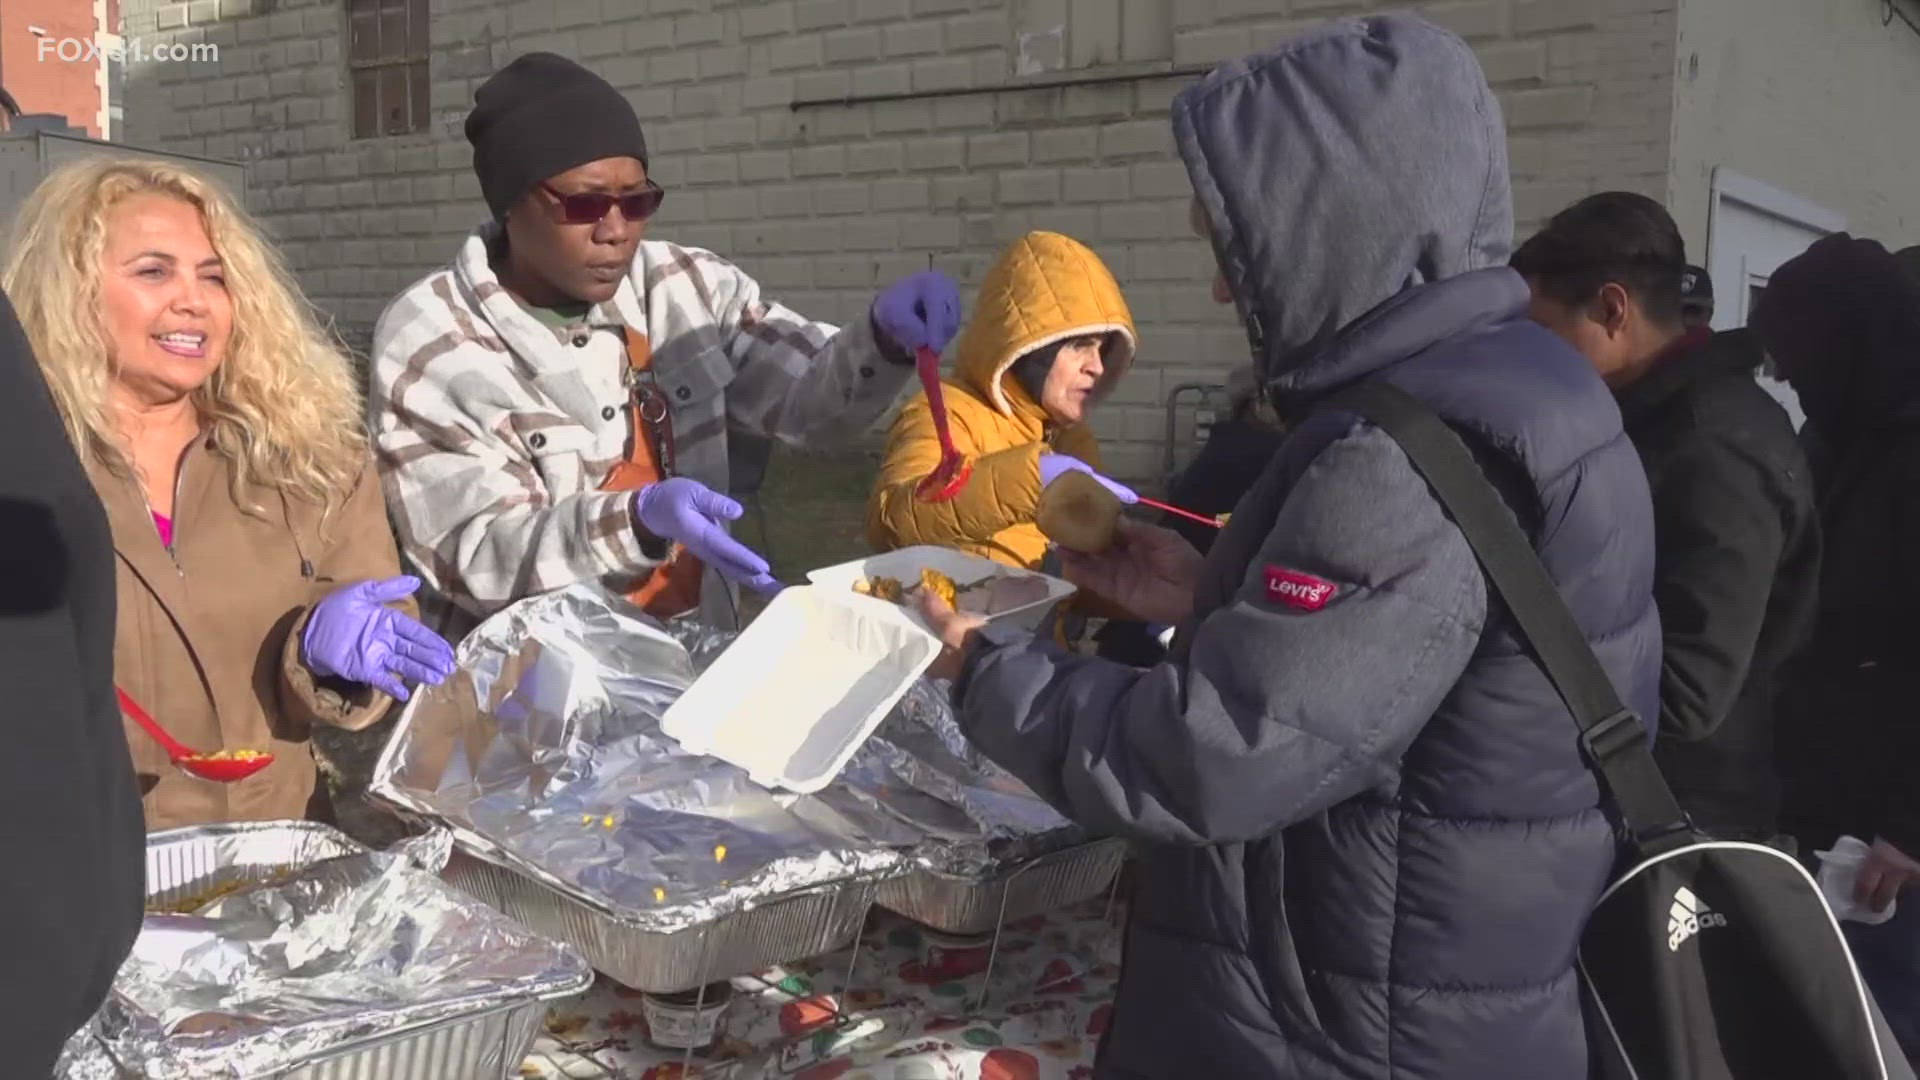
(1737, 564)
(72, 839)
(1842, 321)
(1236, 452)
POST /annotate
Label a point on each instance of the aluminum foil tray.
(779, 930)
(185, 865)
(577, 816)
(962, 904)
(490, 1044)
(188, 866)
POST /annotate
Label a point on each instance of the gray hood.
(1348, 165)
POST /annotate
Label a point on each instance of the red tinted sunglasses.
(589, 207)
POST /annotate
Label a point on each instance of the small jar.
(955, 956)
(689, 1020)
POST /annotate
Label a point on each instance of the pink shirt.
(165, 526)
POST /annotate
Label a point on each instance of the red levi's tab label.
(1297, 590)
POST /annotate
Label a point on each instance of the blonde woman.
(256, 572)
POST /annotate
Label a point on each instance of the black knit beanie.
(540, 116)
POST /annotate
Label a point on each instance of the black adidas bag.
(1703, 960)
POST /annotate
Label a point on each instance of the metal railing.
(1192, 410)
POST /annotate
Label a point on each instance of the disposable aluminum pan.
(966, 905)
(186, 866)
(191, 864)
(778, 930)
(577, 816)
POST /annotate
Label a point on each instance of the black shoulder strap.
(1614, 740)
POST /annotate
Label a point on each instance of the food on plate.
(995, 594)
(939, 584)
(883, 588)
(1078, 513)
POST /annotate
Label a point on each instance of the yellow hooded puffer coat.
(1045, 288)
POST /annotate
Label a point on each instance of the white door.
(1752, 228)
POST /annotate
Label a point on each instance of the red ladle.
(204, 766)
(1188, 514)
(948, 477)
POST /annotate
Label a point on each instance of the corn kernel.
(720, 853)
(228, 755)
(659, 895)
(586, 819)
(607, 822)
(940, 585)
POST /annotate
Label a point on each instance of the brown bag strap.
(652, 454)
(674, 587)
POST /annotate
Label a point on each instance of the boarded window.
(387, 52)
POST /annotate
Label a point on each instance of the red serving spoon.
(1188, 514)
(948, 477)
(204, 766)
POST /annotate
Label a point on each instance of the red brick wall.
(48, 84)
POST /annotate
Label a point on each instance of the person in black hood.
(1737, 546)
(1696, 297)
(72, 838)
(1236, 452)
(1842, 323)
(1910, 258)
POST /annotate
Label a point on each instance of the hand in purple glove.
(353, 634)
(689, 513)
(1052, 465)
(920, 309)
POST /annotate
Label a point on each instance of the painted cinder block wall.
(826, 202)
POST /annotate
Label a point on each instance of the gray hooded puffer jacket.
(1369, 839)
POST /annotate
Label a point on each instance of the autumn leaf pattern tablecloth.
(914, 1012)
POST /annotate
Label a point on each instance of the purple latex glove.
(1052, 465)
(689, 513)
(353, 634)
(919, 309)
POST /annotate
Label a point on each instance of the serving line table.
(918, 1009)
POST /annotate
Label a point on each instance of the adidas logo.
(1687, 917)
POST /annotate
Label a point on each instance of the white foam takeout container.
(792, 698)
(906, 564)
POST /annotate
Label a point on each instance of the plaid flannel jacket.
(494, 430)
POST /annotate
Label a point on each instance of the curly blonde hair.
(282, 405)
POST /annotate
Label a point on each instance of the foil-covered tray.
(780, 930)
(995, 853)
(577, 816)
(974, 903)
(975, 818)
(308, 957)
(544, 758)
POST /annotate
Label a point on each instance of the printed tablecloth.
(914, 1012)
